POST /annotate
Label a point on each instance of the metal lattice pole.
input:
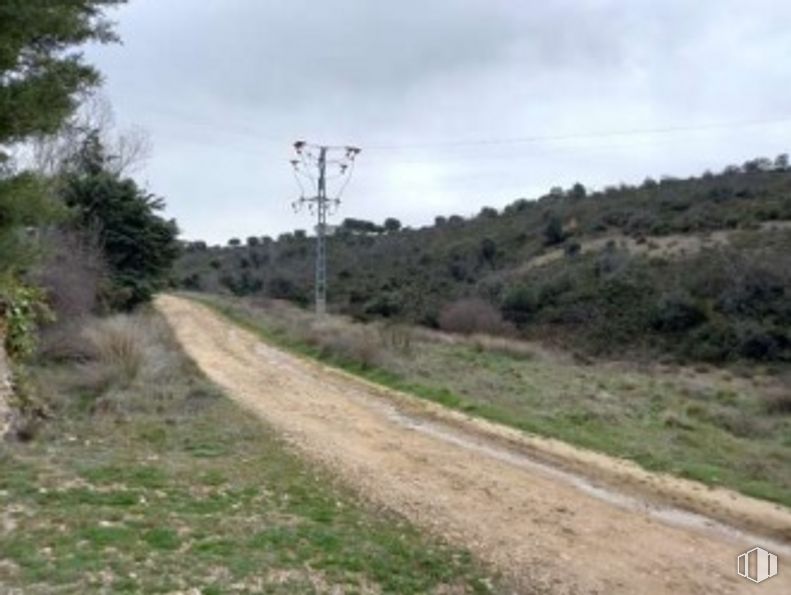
(318, 158)
(321, 235)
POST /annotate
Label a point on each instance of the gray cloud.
(225, 85)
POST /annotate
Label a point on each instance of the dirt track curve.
(548, 529)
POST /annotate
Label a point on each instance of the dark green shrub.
(384, 305)
(676, 312)
(553, 232)
(520, 304)
(713, 341)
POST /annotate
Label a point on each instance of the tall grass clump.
(116, 347)
(473, 315)
(347, 341)
(122, 364)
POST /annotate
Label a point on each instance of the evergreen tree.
(138, 245)
(40, 82)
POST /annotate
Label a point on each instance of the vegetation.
(717, 428)
(76, 236)
(695, 268)
(41, 81)
(147, 479)
(74, 233)
(138, 245)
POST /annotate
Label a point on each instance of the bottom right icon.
(757, 565)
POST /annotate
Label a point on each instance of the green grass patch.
(215, 500)
(717, 434)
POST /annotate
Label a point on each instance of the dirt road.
(550, 530)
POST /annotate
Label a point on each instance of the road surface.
(547, 529)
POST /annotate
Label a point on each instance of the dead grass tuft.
(512, 348)
(473, 315)
(122, 364)
(117, 345)
(348, 341)
(397, 337)
(778, 400)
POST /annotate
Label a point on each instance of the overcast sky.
(224, 87)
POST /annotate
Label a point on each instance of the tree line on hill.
(718, 300)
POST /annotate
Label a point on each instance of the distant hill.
(699, 268)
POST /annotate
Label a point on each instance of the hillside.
(607, 271)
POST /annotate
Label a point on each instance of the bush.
(115, 347)
(519, 304)
(677, 312)
(713, 341)
(553, 232)
(349, 342)
(139, 246)
(759, 343)
(778, 402)
(71, 273)
(22, 310)
(385, 305)
(470, 316)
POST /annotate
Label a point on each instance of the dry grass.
(372, 344)
(777, 398)
(108, 360)
(145, 486)
(334, 336)
(512, 348)
(347, 340)
(673, 419)
(399, 338)
(473, 315)
(119, 342)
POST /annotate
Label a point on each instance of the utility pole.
(328, 167)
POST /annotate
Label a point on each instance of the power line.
(246, 129)
(575, 136)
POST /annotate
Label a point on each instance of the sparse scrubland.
(145, 478)
(722, 427)
(122, 469)
(685, 269)
(649, 322)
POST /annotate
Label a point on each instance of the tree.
(40, 80)
(553, 232)
(253, 241)
(556, 192)
(40, 84)
(360, 226)
(758, 164)
(732, 170)
(456, 220)
(139, 246)
(234, 242)
(488, 249)
(392, 225)
(649, 183)
(488, 213)
(127, 150)
(578, 192)
(781, 162)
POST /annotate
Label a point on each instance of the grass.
(171, 487)
(707, 427)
